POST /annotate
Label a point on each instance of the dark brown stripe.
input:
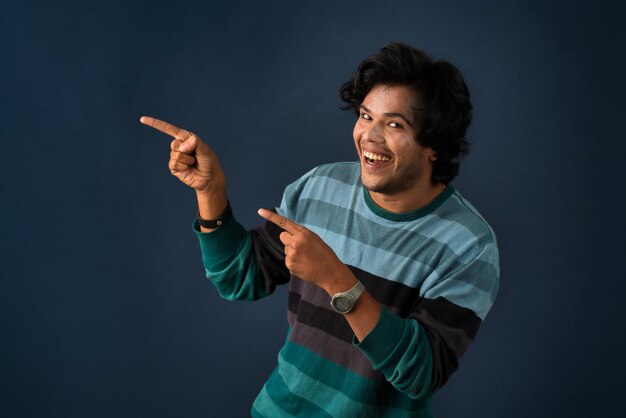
(315, 295)
(394, 296)
(333, 349)
(399, 297)
(450, 328)
(324, 319)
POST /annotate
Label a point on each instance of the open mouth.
(375, 159)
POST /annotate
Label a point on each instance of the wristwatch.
(343, 302)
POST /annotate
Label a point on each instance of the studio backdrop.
(105, 310)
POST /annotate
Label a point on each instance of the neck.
(409, 200)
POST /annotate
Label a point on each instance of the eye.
(366, 116)
(395, 125)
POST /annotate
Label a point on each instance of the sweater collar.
(412, 215)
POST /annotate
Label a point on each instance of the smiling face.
(393, 164)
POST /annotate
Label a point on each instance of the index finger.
(281, 221)
(166, 128)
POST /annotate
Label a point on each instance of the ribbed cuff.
(380, 343)
(222, 241)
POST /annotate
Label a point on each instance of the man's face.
(392, 162)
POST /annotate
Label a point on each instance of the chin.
(388, 187)
(376, 187)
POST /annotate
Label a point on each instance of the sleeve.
(243, 265)
(248, 265)
(418, 353)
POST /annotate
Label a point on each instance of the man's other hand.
(308, 257)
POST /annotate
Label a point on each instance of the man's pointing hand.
(191, 160)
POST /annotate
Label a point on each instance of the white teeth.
(372, 156)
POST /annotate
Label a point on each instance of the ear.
(433, 156)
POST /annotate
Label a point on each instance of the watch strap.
(216, 223)
(351, 295)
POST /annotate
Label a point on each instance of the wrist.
(217, 222)
(345, 302)
(342, 281)
(211, 204)
(212, 183)
(212, 189)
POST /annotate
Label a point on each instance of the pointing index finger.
(281, 221)
(166, 128)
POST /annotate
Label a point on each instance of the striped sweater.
(435, 271)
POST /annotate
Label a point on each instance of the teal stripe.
(289, 402)
(400, 349)
(264, 406)
(351, 388)
(228, 266)
(323, 396)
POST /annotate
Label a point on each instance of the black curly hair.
(445, 112)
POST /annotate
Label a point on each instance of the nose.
(373, 133)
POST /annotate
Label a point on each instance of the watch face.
(343, 304)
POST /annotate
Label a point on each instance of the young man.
(390, 270)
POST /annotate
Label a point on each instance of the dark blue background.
(105, 310)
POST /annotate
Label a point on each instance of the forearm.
(397, 347)
(364, 316)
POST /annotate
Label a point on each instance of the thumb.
(189, 145)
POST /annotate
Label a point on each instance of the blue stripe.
(332, 198)
(403, 254)
(452, 246)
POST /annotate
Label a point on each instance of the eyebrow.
(391, 114)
